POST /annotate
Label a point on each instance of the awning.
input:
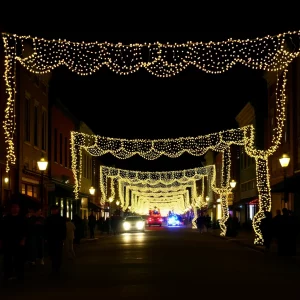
(290, 185)
(250, 200)
(92, 206)
(64, 191)
(67, 191)
(26, 202)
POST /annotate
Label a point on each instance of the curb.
(236, 241)
(254, 247)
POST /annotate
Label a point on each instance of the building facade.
(32, 133)
(8, 183)
(88, 179)
(290, 143)
(246, 204)
(62, 122)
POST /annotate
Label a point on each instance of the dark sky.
(143, 106)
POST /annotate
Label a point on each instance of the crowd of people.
(23, 239)
(283, 229)
(29, 238)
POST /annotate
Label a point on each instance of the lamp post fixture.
(284, 162)
(232, 183)
(92, 190)
(207, 198)
(42, 165)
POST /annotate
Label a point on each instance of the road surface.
(162, 263)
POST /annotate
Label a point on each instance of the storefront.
(63, 196)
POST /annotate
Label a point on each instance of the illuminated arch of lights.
(169, 177)
(126, 187)
(196, 202)
(267, 53)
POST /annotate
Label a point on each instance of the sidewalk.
(246, 239)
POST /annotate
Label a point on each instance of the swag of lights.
(154, 188)
(267, 53)
(163, 60)
(167, 177)
(177, 204)
(153, 195)
(164, 177)
(142, 202)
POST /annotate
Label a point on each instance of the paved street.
(163, 263)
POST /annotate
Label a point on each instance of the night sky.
(142, 106)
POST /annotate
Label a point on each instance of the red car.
(154, 221)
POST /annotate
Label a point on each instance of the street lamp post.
(42, 165)
(284, 162)
(110, 203)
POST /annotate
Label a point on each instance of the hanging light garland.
(164, 60)
(168, 177)
(154, 188)
(165, 177)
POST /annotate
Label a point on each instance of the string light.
(154, 188)
(164, 60)
(169, 177)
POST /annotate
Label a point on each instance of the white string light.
(164, 60)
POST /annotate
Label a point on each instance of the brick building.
(246, 204)
(31, 135)
(61, 123)
(90, 166)
(290, 143)
(32, 132)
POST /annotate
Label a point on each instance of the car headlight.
(126, 225)
(140, 225)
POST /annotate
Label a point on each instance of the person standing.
(79, 229)
(92, 225)
(40, 236)
(12, 241)
(70, 239)
(55, 232)
(31, 238)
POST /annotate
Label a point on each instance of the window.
(66, 152)
(44, 130)
(27, 120)
(60, 148)
(30, 190)
(55, 145)
(36, 125)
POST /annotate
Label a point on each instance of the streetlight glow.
(284, 160)
(110, 199)
(118, 202)
(92, 190)
(233, 183)
(207, 198)
(42, 164)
